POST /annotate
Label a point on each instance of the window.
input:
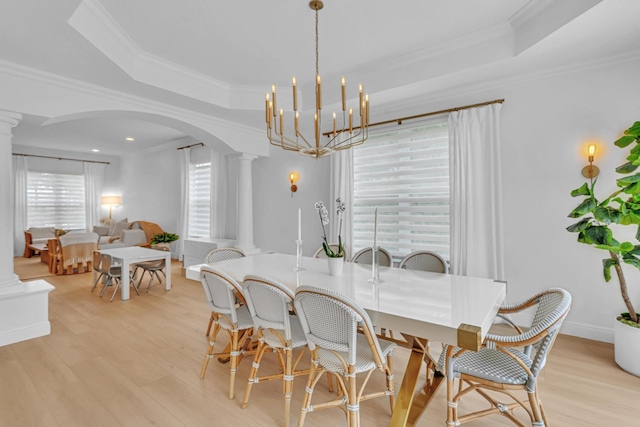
(199, 199)
(55, 200)
(405, 174)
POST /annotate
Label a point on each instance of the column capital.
(10, 118)
(246, 156)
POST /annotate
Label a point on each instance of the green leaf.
(607, 264)
(626, 168)
(628, 180)
(608, 248)
(579, 226)
(600, 235)
(626, 247)
(632, 189)
(633, 130)
(607, 215)
(582, 191)
(624, 141)
(632, 261)
(585, 207)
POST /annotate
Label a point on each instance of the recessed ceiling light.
(95, 150)
(130, 139)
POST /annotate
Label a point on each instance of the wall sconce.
(111, 201)
(293, 178)
(590, 171)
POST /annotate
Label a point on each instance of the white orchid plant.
(324, 220)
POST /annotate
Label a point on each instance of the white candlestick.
(375, 230)
(299, 224)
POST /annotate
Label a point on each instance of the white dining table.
(129, 255)
(447, 308)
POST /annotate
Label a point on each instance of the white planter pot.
(627, 347)
(335, 266)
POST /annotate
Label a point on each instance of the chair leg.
(209, 325)
(116, 289)
(95, 284)
(306, 402)
(253, 375)
(209, 354)
(106, 285)
(233, 362)
(390, 386)
(288, 384)
(536, 409)
(353, 405)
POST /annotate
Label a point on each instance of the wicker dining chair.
(219, 255)
(222, 254)
(222, 294)
(342, 341)
(425, 261)
(270, 304)
(365, 256)
(507, 364)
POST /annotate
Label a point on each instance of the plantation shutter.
(55, 200)
(199, 199)
(405, 174)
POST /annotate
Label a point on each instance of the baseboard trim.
(24, 334)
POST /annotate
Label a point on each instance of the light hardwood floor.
(136, 363)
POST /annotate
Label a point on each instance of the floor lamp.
(111, 201)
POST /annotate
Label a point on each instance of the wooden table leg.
(409, 405)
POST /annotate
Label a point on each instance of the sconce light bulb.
(592, 150)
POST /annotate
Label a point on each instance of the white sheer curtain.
(341, 185)
(20, 203)
(183, 215)
(219, 193)
(476, 192)
(93, 183)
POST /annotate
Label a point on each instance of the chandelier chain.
(317, 70)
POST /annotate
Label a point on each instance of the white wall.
(275, 215)
(150, 188)
(546, 127)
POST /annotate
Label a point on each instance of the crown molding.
(94, 23)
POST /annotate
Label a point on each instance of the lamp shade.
(111, 200)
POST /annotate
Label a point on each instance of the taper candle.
(375, 230)
(299, 225)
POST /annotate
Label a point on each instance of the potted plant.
(163, 240)
(335, 255)
(622, 207)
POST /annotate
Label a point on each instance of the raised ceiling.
(220, 57)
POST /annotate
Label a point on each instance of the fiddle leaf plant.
(621, 207)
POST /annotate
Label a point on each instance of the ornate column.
(245, 205)
(9, 282)
(24, 307)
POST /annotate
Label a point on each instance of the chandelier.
(348, 136)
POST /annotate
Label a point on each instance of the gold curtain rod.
(433, 113)
(199, 144)
(61, 158)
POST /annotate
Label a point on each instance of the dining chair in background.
(153, 268)
(222, 294)
(219, 255)
(222, 254)
(508, 363)
(342, 342)
(425, 261)
(97, 268)
(270, 304)
(113, 274)
(365, 256)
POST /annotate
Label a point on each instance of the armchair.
(36, 236)
(76, 252)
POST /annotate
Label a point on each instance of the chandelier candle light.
(338, 140)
